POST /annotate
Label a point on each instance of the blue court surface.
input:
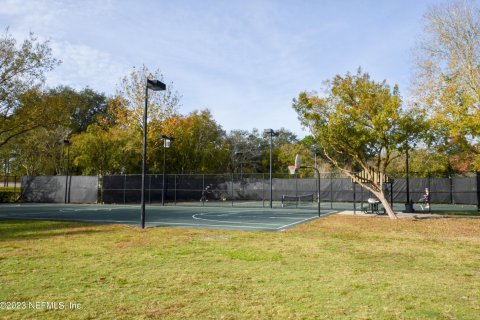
(262, 219)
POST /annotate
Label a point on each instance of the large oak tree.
(361, 125)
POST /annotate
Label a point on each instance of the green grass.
(339, 267)
(458, 213)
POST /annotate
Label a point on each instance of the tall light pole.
(408, 203)
(166, 144)
(315, 150)
(272, 134)
(317, 172)
(67, 143)
(154, 85)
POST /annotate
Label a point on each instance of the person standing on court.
(426, 198)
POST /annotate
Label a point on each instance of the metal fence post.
(451, 188)
(149, 189)
(231, 181)
(391, 192)
(296, 184)
(331, 190)
(478, 191)
(124, 188)
(263, 190)
(354, 198)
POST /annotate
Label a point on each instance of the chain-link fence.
(235, 189)
(333, 190)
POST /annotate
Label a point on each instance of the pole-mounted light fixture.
(166, 144)
(154, 85)
(67, 143)
(272, 134)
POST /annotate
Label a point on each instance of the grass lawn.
(339, 267)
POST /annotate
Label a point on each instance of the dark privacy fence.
(59, 189)
(235, 189)
(256, 187)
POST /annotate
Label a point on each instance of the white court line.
(229, 223)
(298, 222)
(85, 210)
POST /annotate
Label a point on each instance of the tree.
(160, 105)
(21, 69)
(422, 162)
(360, 125)
(39, 152)
(199, 144)
(79, 109)
(60, 113)
(248, 148)
(105, 151)
(447, 71)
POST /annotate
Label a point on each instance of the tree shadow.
(29, 230)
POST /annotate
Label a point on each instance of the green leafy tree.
(199, 145)
(248, 148)
(360, 125)
(105, 151)
(40, 152)
(79, 109)
(22, 69)
(422, 162)
(65, 113)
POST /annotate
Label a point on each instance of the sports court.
(261, 219)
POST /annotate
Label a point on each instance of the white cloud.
(245, 60)
(85, 66)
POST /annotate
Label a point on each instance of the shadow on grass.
(27, 229)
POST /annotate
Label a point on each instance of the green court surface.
(265, 219)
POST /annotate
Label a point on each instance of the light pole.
(154, 85)
(67, 143)
(408, 204)
(317, 172)
(315, 150)
(166, 144)
(272, 134)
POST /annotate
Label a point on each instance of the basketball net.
(298, 164)
(292, 169)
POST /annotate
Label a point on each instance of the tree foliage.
(133, 91)
(447, 71)
(199, 144)
(22, 69)
(360, 124)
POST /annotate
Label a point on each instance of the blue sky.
(244, 60)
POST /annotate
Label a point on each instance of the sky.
(244, 60)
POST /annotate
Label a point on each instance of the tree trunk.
(381, 196)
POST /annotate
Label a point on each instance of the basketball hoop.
(292, 169)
